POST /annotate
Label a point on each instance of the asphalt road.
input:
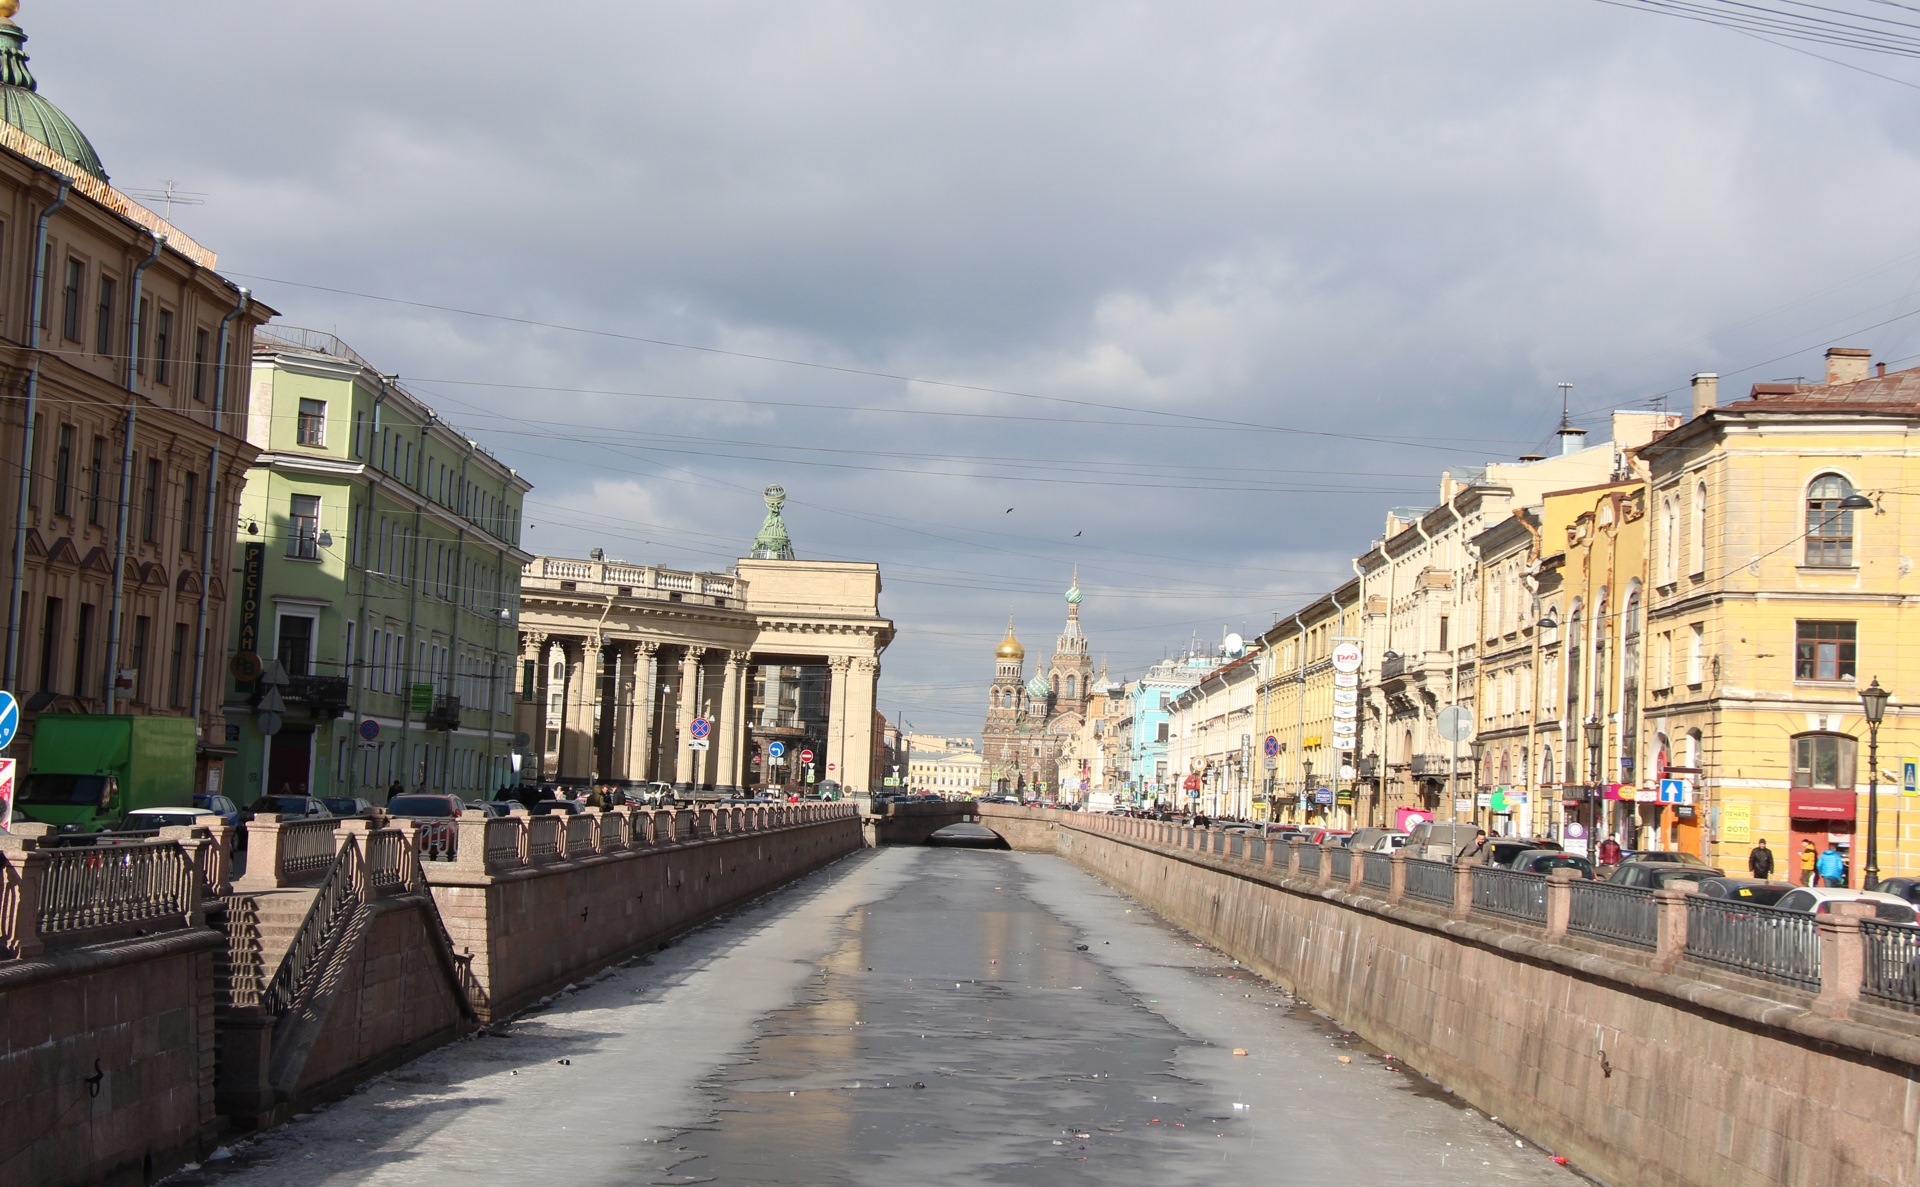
(908, 1016)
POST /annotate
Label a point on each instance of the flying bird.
(1076, 533)
(1009, 511)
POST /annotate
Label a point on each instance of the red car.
(433, 817)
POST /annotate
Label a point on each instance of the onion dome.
(22, 106)
(1010, 647)
(1039, 687)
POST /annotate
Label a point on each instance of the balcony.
(445, 714)
(1430, 765)
(1392, 666)
(325, 696)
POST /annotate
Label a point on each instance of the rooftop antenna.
(170, 195)
(1565, 390)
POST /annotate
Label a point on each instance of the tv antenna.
(170, 195)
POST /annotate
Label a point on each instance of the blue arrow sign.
(777, 749)
(9, 719)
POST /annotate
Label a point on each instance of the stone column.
(533, 646)
(837, 714)
(726, 771)
(857, 771)
(576, 748)
(687, 708)
(638, 766)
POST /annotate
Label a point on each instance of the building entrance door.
(290, 762)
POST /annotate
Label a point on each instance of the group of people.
(1818, 867)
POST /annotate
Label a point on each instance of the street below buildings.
(906, 1016)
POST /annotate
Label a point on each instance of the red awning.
(1806, 804)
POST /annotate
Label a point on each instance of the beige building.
(621, 663)
(950, 774)
(126, 404)
(1301, 780)
(1211, 746)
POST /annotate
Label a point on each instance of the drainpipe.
(414, 552)
(125, 510)
(356, 671)
(34, 298)
(212, 506)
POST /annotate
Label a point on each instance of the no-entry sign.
(806, 756)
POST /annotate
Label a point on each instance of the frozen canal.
(907, 1016)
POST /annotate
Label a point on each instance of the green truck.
(88, 770)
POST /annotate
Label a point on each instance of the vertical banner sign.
(253, 563)
(1736, 823)
(6, 794)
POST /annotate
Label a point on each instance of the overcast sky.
(1197, 290)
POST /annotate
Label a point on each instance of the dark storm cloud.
(1400, 220)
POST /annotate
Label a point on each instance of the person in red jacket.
(1610, 851)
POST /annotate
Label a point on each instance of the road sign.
(1347, 657)
(271, 701)
(831, 768)
(269, 724)
(700, 727)
(776, 749)
(6, 790)
(696, 743)
(9, 719)
(806, 756)
(1272, 746)
(369, 730)
(1910, 776)
(1675, 791)
(1456, 723)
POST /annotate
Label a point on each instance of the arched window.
(1548, 776)
(1575, 649)
(1669, 547)
(1630, 674)
(1070, 687)
(1697, 542)
(1829, 527)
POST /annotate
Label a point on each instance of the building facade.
(1031, 724)
(1304, 773)
(379, 551)
(126, 400)
(1211, 736)
(949, 774)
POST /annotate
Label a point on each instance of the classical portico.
(619, 660)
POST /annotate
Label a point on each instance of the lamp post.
(1873, 699)
(1306, 786)
(1479, 747)
(1593, 731)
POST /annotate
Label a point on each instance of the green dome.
(22, 106)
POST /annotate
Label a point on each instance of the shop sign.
(1736, 823)
(1346, 680)
(1807, 804)
(1323, 795)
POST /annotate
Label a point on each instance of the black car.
(1501, 851)
(1906, 888)
(1746, 890)
(1653, 875)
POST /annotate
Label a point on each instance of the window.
(192, 494)
(140, 338)
(1160, 732)
(150, 509)
(142, 631)
(70, 305)
(311, 428)
(96, 466)
(63, 472)
(103, 318)
(1829, 528)
(295, 651)
(1696, 653)
(1443, 632)
(1823, 651)
(358, 444)
(49, 644)
(303, 514)
(176, 681)
(1669, 541)
(200, 364)
(1823, 761)
(352, 665)
(82, 648)
(163, 347)
(1697, 543)
(1630, 676)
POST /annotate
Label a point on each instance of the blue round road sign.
(9, 719)
(369, 730)
(777, 749)
(700, 727)
(1272, 746)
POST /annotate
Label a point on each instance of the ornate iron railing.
(333, 906)
(105, 886)
(1622, 914)
(1341, 864)
(1892, 963)
(1430, 881)
(306, 849)
(543, 838)
(1510, 893)
(1376, 870)
(1754, 939)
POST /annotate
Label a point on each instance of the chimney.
(1847, 364)
(1706, 393)
(1571, 439)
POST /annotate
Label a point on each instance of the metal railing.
(506, 842)
(1341, 864)
(1376, 870)
(1752, 939)
(1236, 844)
(1430, 881)
(389, 857)
(1510, 893)
(1623, 914)
(85, 889)
(1891, 960)
(580, 838)
(306, 849)
(1309, 858)
(1257, 849)
(339, 894)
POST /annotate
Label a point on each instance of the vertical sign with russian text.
(253, 563)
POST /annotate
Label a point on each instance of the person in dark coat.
(1760, 861)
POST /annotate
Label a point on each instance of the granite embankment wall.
(1638, 1075)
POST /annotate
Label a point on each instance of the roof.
(22, 106)
(1896, 393)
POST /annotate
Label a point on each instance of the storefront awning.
(1806, 804)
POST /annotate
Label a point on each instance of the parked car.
(558, 807)
(1545, 861)
(490, 807)
(1389, 841)
(152, 819)
(1502, 850)
(1906, 888)
(1819, 900)
(1285, 832)
(1439, 842)
(219, 805)
(1746, 890)
(1656, 875)
(288, 806)
(1667, 855)
(432, 817)
(347, 805)
(1316, 836)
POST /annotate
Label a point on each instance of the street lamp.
(1873, 699)
(1306, 786)
(1593, 731)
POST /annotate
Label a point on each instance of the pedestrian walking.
(1831, 867)
(1808, 857)
(1760, 861)
(1475, 848)
(1610, 853)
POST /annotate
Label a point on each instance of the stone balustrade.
(72, 895)
(500, 844)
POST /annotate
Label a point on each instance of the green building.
(379, 564)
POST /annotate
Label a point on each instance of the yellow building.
(1780, 579)
(1304, 774)
(949, 774)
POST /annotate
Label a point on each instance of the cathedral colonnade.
(618, 661)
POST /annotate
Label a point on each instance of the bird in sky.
(1077, 533)
(1009, 511)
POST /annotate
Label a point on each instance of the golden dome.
(1010, 647)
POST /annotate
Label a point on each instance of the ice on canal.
(907, 1016)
